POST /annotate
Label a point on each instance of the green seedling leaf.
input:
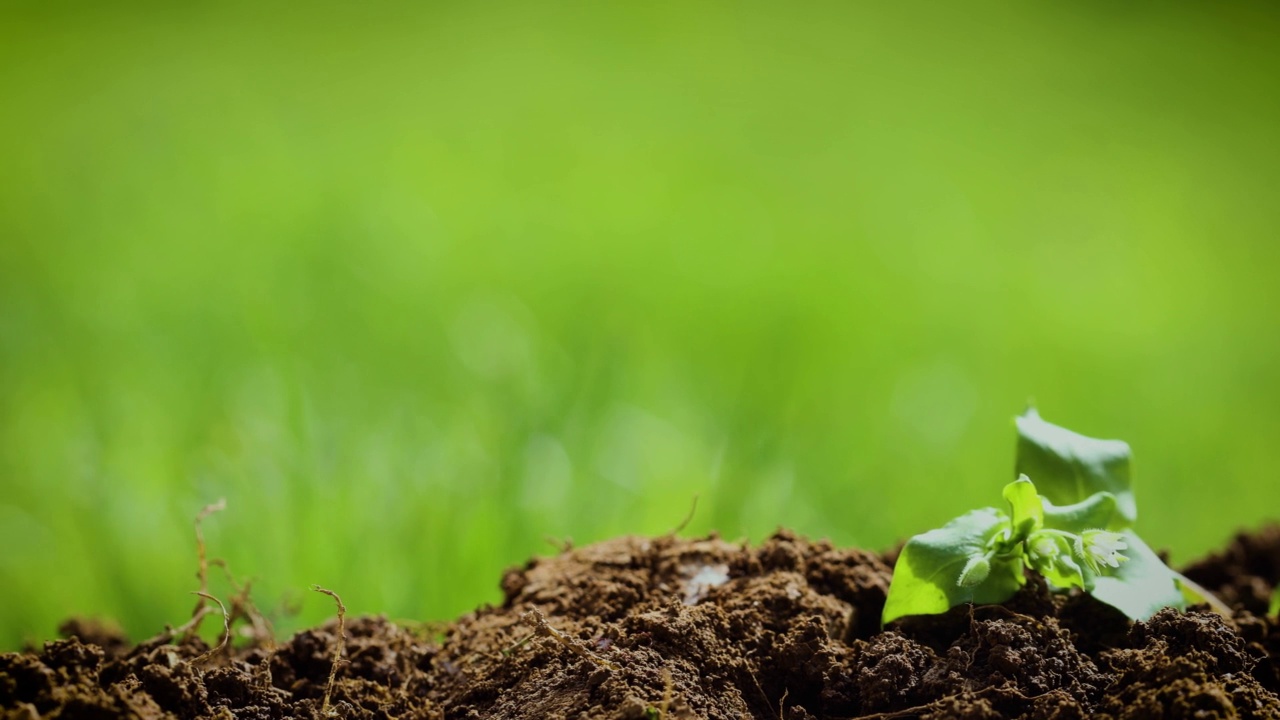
(1051, 555)
(1274, 609)
(1194, 594)
(1096, 511)
(1069, 467)
(952, 565)
(1142, 585)
(1191, 593)
(1025, 508)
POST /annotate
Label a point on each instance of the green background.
(416, 286)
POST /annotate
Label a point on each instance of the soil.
(653, 628)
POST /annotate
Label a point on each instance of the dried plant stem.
(202, 567)
(226, 628)
(519, 643)
(337, 651)
(541, 627)
(668, 693)
(688, 518)
(242, 606)
(182, 630)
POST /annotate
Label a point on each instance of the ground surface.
(368, 265)
(640, 628)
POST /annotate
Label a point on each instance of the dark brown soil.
(645, 628)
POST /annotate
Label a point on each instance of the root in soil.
(786, 630)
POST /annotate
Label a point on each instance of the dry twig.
(202, 568)
(242, 606)
(668, 692)
(541, 627)
(337, 651)
(693, 508)
(226, 629)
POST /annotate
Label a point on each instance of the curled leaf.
(927, 577)
(1069, 467)
(1096, 511)
(1025, 509)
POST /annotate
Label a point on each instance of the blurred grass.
(417, 286)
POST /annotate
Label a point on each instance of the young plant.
(1069, 518)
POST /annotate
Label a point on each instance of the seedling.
(1069, 518)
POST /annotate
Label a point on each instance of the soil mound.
(651, 628)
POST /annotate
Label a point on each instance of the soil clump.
(655, 628)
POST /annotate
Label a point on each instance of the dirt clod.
(667, 629)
